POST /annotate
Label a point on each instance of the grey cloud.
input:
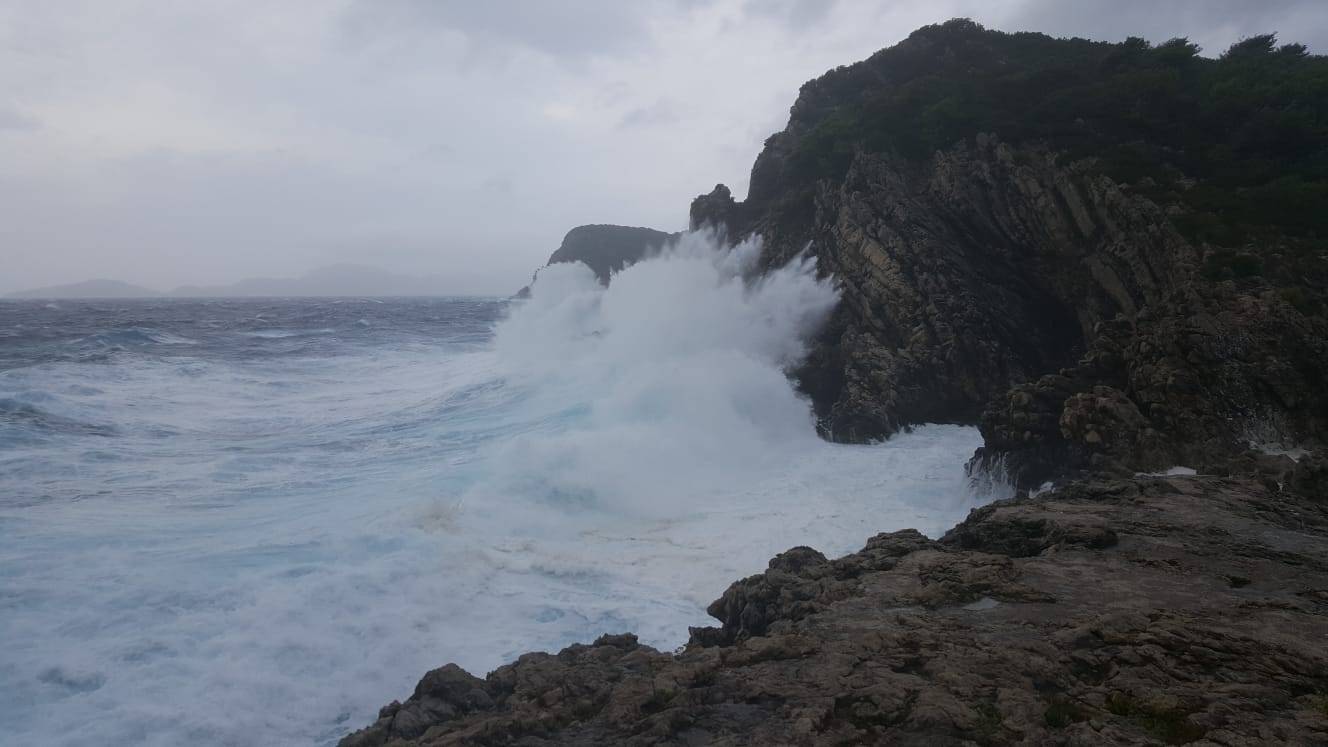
(167, 144)
(659, 113)
(501, 184)
(567, 29)
(13, 119)
(798, 14)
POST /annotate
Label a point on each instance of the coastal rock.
(1003, 276)
(1093, 290)
(925, 254)
(606, 249)
(798, 583)
(1194, 384)
(1076, 617)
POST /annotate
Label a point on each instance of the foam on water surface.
(258, 538)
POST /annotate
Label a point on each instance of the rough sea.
(244, 522)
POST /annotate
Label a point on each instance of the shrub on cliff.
(1239, 143)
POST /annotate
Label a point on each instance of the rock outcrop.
(1145, 610)
(1024, 278)
(986, 267)
(1194, 381)
(996, 284)
(606, 249)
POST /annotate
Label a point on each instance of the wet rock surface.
(1140, 610)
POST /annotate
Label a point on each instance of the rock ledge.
(1143, 610)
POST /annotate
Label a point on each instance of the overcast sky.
(166, 142)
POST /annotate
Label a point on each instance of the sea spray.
(240, 546)
(672, 380)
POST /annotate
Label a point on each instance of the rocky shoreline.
(1131, 280)
(1143, 610)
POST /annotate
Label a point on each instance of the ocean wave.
(16, 414)
(671, 379)
(133, 336)
(281, 334)
(337, 508)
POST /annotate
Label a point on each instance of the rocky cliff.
(1060, 309)
(1112, 258)
(1099, 252)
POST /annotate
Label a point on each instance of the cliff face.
(961, 276)
(992, 267)
(1132, 338)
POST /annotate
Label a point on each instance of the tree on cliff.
(1240, 141)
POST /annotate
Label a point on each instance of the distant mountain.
(100, 288)
(334, 280)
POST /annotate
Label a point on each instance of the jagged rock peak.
(715, 210)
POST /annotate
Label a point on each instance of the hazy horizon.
(163, 144)
(343, 279)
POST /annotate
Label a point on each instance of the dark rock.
(1310, 476)
(716, 210)
(442, 695)
(607, 249)
(1007, 282)
(1126, 351)
(1020, 531)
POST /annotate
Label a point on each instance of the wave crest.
(670, 381)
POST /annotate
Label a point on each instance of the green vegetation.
(1239, 142)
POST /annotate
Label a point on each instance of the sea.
(256, 521)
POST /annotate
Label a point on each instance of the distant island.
(99, 288)
(333, 280)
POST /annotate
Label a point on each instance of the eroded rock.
(1143, 610)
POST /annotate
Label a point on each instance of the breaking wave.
(275, 534)
(668, 387)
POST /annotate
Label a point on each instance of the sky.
(165, 143)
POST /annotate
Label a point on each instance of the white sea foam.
(670, 382)
(270, 549)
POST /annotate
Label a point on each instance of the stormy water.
(239, 522)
